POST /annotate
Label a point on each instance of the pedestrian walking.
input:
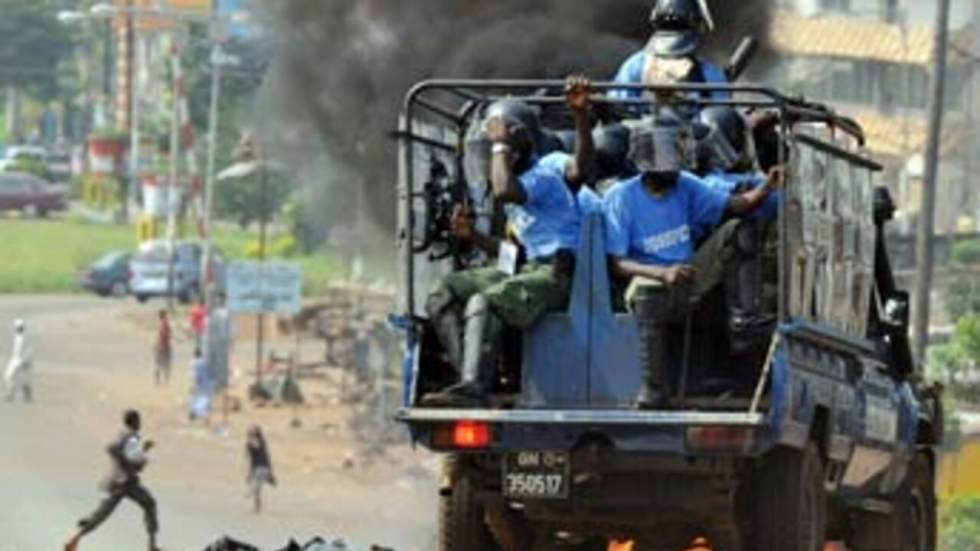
(259, 466)
(19, 374)
(200, 406)
(196, 321)
(163, 350)
(128, 455)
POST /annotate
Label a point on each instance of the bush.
(281, 247)
(967, 253)
(961, 524)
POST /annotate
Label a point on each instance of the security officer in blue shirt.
(540, 197)
(753, 273)
(653, 223)
(671, 54)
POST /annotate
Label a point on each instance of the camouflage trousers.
(709, 262)
(515, 301)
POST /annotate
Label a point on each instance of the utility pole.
(263, 231)
(206, 283)
(134, 122)
(172, 186)
(924, 249)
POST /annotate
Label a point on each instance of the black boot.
(478, 363)
(652, 312)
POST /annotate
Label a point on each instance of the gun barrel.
(741, 58)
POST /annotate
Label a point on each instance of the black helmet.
(678, 27)
(523, 119)
(726, 140)
(612, 148)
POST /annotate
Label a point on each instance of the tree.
(34, 45)
(963, 294)
(957, 363)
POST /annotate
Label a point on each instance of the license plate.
(537, 475)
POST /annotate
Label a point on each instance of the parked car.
(109, 275)
(151, 272)
(30, 195)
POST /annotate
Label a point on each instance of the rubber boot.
(448, 330)
(652, 312)
(478, 362)
(442, 310)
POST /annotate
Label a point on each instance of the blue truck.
(819, 428)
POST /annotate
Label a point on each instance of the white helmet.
(19, 325)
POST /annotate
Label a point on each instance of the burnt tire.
(790, 503)
(462, 526)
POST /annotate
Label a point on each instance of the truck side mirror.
(895, 313)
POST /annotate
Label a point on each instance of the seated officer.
(653, 222)
(540, 197)
(730, 169)
(671, 55)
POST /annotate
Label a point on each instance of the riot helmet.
(678, 27)
(725, 144)
(612, 148)
(661, 145)
(523, 123)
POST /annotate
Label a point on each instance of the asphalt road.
(90, 365)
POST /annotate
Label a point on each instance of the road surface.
(92, 362)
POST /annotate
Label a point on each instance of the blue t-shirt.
(588, 200)
(726, 182)
(660, 231)
(631, 72)
(549, 219)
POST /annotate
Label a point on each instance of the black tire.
(911, 526)
(461, 521)
(915, 508)
(142, 299)
(790, 505)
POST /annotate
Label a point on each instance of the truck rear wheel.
(790, 502)
(916, 508)
(911, 526)
(461, 519)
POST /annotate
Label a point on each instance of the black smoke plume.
(341, 67)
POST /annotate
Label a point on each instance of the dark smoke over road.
(341, 66)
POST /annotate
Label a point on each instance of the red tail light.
(720, 439)
(464, 435)
(471, 434)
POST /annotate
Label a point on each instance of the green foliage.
(963, 293)
(967, 253)
(34, 45)
(281, 247)
(956, 363)
(961, 524)
(305, 223)
(51, 253)
(245, 201)
(29, 165)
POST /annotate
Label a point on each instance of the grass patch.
(46, 256)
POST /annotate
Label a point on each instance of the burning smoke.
(342, 66)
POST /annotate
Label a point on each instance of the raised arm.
(503, 180)
(744, 203)
(582, 167)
